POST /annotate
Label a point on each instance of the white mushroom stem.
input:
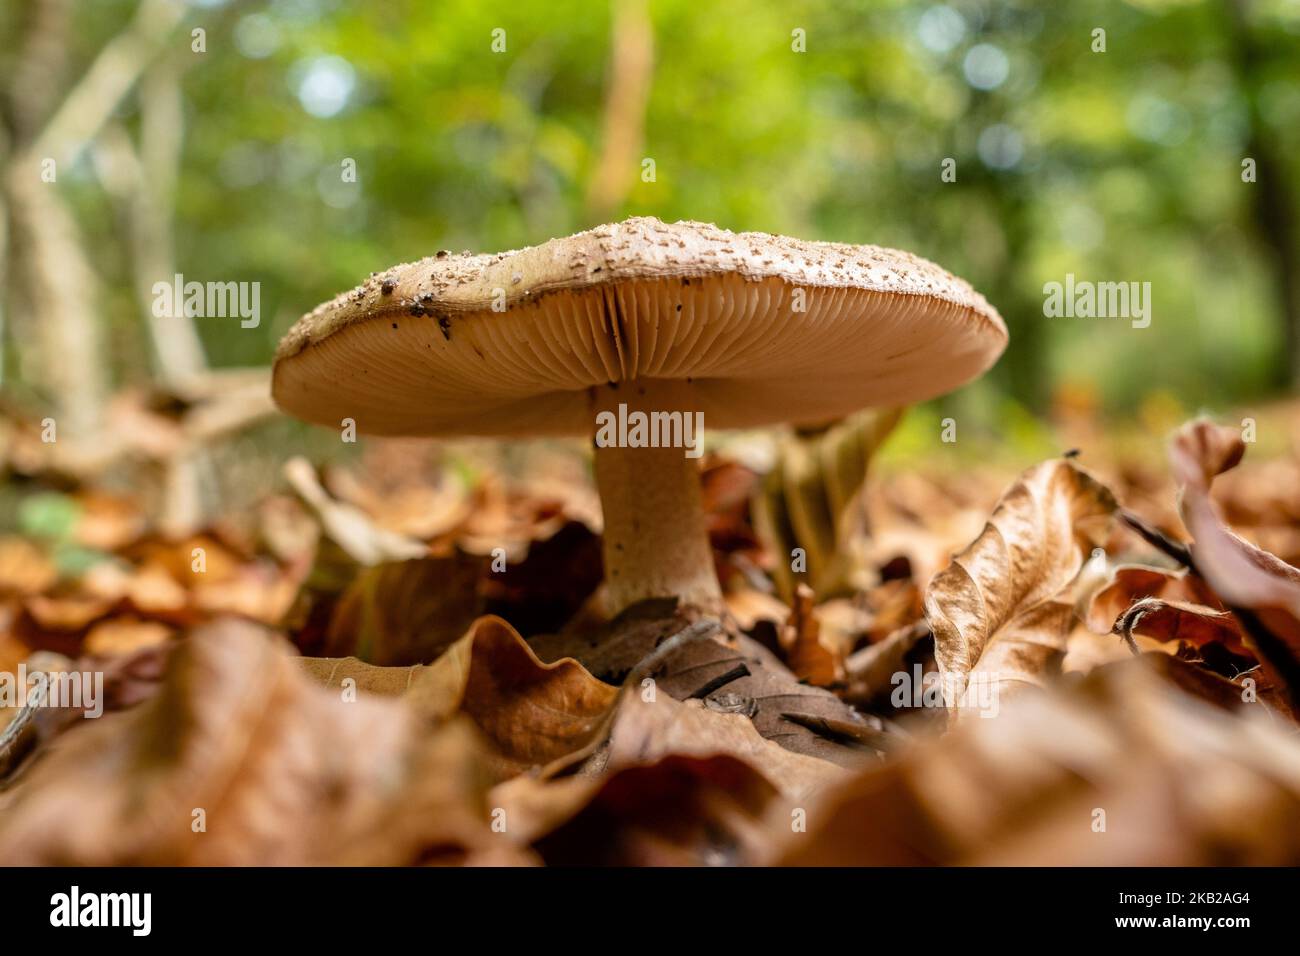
(656, 542)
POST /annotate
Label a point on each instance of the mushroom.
(578, 335)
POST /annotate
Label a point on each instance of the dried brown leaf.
(532, 713)
(735, 671)
(644, 731)
(406, 612)
(1068, 778)
(239, 759)
(678, 811)
(806, 653)
(1252, 582)
(1001, 613)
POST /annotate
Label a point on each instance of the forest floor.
(403, 658)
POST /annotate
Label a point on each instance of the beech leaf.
(1257, 586)
(1000, 612)
(1026, 789)
(239, 759)
(532, 713)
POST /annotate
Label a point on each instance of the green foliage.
(48, 515)
(52, 519)
(1122, 165)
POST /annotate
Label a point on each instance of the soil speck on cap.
(387, 286)
(394, 325)
(441, 254)
(444, 324)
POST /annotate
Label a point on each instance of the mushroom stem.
(656, 542)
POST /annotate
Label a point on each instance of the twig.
(841, 731)
(687, 635)
(722, 680)
(18, 736)
(1157, 538)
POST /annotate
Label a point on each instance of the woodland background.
(225, 165)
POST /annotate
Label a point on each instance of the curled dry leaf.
(1001, 613)
(1174, 612)
(239, 759)
(1068, 779)
(532, 713)
(733, 671)
(806, 653)
(644, 733)
(1261, 589)
(647, 730)
(1133, 582)
(812, 500)
(1193, 624)
(1134, 585)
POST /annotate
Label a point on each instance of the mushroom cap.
(749, 328)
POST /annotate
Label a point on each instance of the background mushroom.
(745, 329)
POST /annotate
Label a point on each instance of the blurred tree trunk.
(57, 284)
(631, 67)
(142, 182)
(1273, 200)
(51, 279)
